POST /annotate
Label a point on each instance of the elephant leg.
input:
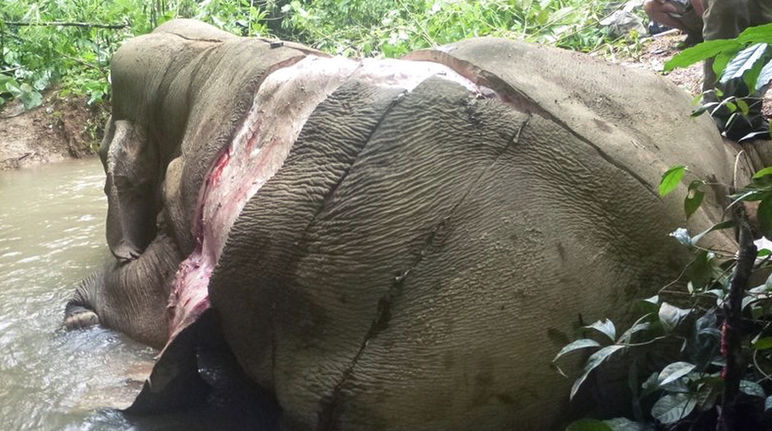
(79, 311)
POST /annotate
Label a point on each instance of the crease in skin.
(327, 415)
(385, 73)
(195, 39)
(517, 98)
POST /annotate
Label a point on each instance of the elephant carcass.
(392, 244)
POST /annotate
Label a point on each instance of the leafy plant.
(70, 42)
(395, 27)
(744, 68)
(37, 52)
(690, 387)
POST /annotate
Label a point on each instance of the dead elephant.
(388, 244)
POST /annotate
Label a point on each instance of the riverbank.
(61, 128)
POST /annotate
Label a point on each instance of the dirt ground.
(59, 129)
(656, 52)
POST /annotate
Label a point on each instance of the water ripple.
(51, 236)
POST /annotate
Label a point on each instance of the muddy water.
(52, 235)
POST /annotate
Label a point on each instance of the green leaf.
(700, 270)
(751, 77)
(674, 371)
(751, 388)
(650, 305)
(749, 196)
(743, 105)
(593, 362)
(722, 59)
(588, 425)
(31, 98)
(704, 107)
(583, 343)
(605, 327)
(761, 33)
(13, 87)
(765, 76)
(676, 386)
(743, 62)
(708, 393)
(693, 198)
(673, 407)
(718, 226)
(624, 424)
(702, 51)
(764, 343)
(670, 316)
(763, 172)
(638, 327)
(670, 179)
(4, 79)
(764, 216)
(768, 404)
(651, 385)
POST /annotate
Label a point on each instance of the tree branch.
(732, 331)
(64, 24)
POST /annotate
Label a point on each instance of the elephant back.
(410, 264)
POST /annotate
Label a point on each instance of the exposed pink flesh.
(281, 107)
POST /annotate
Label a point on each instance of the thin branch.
(732, 329)
(64, 24)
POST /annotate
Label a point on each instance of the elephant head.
(172, 117)
(388, 244)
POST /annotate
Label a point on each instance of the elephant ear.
(132, 169)
(198, 371)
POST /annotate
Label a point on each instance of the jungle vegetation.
(67, 44)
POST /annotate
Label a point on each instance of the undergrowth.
(68, 44)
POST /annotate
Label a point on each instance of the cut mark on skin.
(519, 100)
(329, 407)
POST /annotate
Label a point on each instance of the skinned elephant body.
(389, 244)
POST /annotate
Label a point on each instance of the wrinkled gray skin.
(156, 152)
(411, 263)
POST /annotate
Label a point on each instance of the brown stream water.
(51, 236)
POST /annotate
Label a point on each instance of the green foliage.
(395, 27)
(691, 384)
(670, 179)
(77, 58)
(744, 68)
(35, 55)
